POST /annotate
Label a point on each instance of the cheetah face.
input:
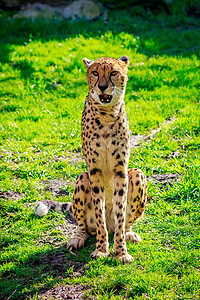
(107, 78)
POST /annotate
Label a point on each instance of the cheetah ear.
(125, 59)
(87, 62)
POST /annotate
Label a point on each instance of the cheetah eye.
(114, 73)
(95, 73)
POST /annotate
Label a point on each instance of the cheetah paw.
(133, 237)
(76, 243)
(98, 253)
(125, 258)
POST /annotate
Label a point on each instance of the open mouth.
(104, 98)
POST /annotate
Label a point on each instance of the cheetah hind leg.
(81, 193)
(77, 241)
(133, 237)
(136, 202)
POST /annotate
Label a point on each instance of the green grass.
(42, 88)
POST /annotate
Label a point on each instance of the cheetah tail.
(44, 206)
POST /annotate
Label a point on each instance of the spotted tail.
(45, 206)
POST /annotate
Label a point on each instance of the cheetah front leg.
(119, 203)
(98, 198)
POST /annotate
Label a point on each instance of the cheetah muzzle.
(105, 98)
(109, 197)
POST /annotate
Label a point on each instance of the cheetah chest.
(106, 149)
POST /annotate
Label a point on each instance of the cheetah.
(109, 197)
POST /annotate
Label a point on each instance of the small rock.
(38, 10)
(82, 9)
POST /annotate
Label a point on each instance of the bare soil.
(11, 195)
(58, 263)
(57, 187)
(136, 140)
(165, 179)
(64, 292)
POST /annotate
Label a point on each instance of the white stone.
(81, 9)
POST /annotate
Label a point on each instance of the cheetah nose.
(103, 87)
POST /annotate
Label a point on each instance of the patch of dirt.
(58, 187)
(164, 179)
(58, 263)
(68, 229)
(136, 140)
(74, 292)
(11, 195)
(77, 157)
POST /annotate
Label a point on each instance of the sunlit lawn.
(43, 87)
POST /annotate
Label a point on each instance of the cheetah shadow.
(57, 264)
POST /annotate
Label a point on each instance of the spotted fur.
(108, 197)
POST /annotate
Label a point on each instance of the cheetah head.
(107, 78)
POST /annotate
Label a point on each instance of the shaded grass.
(43, 87)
